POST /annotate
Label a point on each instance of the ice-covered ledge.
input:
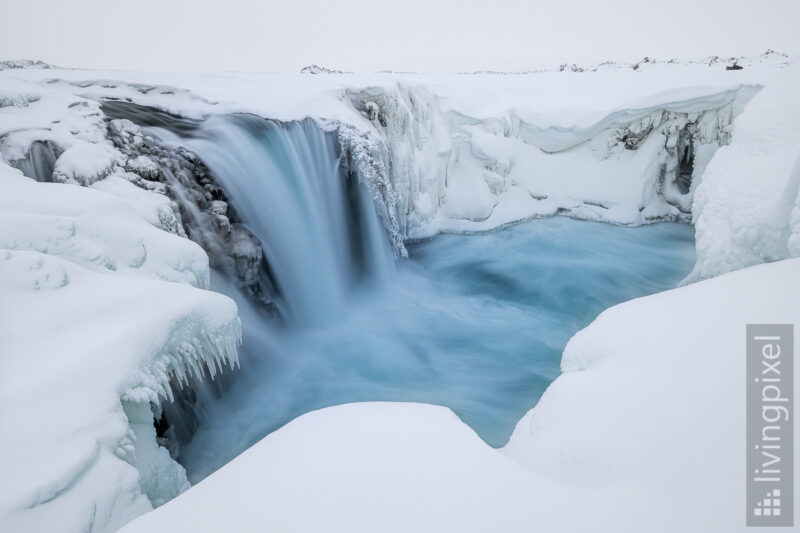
(99, 310)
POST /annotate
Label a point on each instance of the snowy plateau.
(117, 229)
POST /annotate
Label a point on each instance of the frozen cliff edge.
(100, 312)
(747, 209)
(455, 172)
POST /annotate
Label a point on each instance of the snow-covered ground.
(103, 298)
(98, 308)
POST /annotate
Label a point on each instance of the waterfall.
(40, 161)
(464, 322)
(317, 225)
(247, 185)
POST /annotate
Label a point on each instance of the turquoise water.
(475, 323)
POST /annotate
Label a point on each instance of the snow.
(747, 210)
(360, 467)
(630, 436)
(84, 163)
(157, 209)
(99, 309)
(97, 231)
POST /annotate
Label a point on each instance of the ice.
(747, 210)
(85, 163)
(456, 172)
(91, 336)
(17, 99)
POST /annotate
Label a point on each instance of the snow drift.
(100, 311)
(747, 210)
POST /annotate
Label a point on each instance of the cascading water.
(40, 161)
(475, 323)
(318, 230)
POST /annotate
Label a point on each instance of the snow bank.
(85, 163)
(44, 112)
(157, 209)
(643, 430)
(97, 231)
(747, 210)
(361, 467)
(652, 394)
(99, 310)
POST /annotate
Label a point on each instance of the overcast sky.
(361, 35)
